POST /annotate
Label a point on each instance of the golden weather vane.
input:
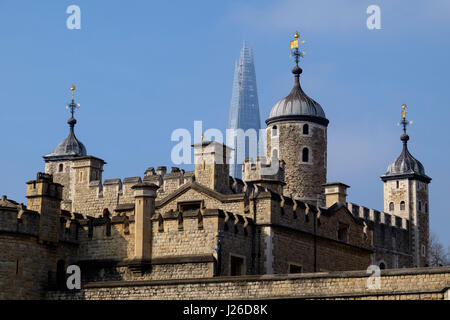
(295, 45)
(404, 122)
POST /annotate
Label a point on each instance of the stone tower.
(212, 167)
(405, 187)
(44, 197)
(297, 134)
(60, 163)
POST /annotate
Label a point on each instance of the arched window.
(305, 129)
(274, 154)
(60, 167)
(382, 266)
(398, 184)
(305, 155)
(391, 206)
(420, 205)
(274, 131)
(402, 205)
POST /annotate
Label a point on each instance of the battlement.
(168, 182)
(263, 169)
(232, 221)
(264, 172)
(378, 217)
(17, 218)
(44, 186)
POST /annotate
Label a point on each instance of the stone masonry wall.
(303, 180)
(403, 284)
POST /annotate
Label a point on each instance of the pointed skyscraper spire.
(244, 107)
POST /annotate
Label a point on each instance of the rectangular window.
(294, 268)
(236, 266)
(342, 231)
(423, 250)
(193, 206)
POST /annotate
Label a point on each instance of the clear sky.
(145, 68)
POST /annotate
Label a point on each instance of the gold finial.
(73, 88)
(296, 35)
(404, 111)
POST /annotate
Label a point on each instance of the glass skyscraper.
(244, 108)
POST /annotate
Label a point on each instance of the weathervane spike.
(72, 106)
(294, 47)
(404, 122)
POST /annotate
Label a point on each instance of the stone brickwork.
(403, 284)
(304, 180)
(28, 266)
(391, 237)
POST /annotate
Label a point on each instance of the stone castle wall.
(403, 284)
(25, 262)
(391, 236)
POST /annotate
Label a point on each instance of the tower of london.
(177, 225)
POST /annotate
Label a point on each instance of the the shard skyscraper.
(244, 108)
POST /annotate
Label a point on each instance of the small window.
(274, 154)
(342, 232)
(191, 207)
(274, 131)
(305, 155)
(382, 266)
(60, 167)
(420, 205)
(402, 205)
(426, 207)
(423, 250)
(18, 268)
(305, 129)
(391, 206)
(61, 275)
(398, 184)
(237, 266)
(293, 268)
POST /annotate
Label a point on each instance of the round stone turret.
(297, 134)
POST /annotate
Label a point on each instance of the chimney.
(335, 192)
(144, 208)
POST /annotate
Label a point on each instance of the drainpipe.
(315, 243)
(253, 238)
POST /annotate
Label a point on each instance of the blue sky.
(145, 68)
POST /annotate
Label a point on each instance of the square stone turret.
(44, 196)
(212, 165)
(265, 173)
